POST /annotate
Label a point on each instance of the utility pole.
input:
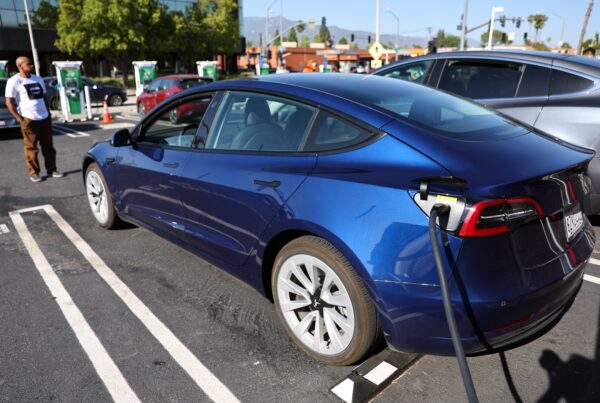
(377, 22)
(584, 28)
(491, 33)
(463, 33)
(36, 61)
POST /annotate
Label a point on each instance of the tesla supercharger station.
(207, 69)
(74, 98)
(3, 71)
(262, 68)
(145, 72)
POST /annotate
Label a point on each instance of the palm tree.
(538, 21)
(585, 23)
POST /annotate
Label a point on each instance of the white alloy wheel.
(97, 197)
(315, 304)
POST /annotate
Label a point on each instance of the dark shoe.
(35, 178)
(56, 174)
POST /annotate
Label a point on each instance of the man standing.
(26, 102)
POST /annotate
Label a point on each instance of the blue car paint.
(363, 205)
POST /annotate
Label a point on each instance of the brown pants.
(35, 131)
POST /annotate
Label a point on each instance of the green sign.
(71, 81)
(3, 72)
(147, 74)
(210, 71)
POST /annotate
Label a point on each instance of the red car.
(164, 87)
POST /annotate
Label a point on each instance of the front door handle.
(271, 184)
(170, 164)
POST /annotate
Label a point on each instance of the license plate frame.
(573, 221)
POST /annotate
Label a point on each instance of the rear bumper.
(497, 302)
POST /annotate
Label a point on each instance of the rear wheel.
(99, 198)
(173, 117)
(115, 100)
(55, 104)
(323, 303)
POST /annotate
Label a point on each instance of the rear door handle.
(170, 164)
(271, 184)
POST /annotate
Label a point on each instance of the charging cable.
(440, 210)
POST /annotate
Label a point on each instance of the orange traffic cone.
(106, 118)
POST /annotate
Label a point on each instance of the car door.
(247, 170)
(149, 95)
(515, 88)
(163, 90)
(148, 172)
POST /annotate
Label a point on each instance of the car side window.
(415, 72)
(154, 85)
(566, 83)
(535, 81)
(259, 122)
(331, 132)
(481, 79)
(177, 126)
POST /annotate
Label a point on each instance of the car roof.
(179, 76)
(573, 62)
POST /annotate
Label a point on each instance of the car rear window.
(438, 112)
(191, 82)
(566, 83)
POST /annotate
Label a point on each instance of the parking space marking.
(4, 229)
(112, 126)
(201, 375)
(107, 370)
(70, 132)
(591, 279)
(595, 261)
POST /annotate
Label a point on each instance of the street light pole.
(494, 11)
(562, 28)
(36, 61)
(377, 12)
(397, 29)
(266, 51)
(463, 33)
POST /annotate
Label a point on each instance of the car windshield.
(191, 82)
(433, 110)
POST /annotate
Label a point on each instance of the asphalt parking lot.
(96, 315)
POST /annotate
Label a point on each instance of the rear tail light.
(495, 217)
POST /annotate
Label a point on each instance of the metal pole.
(280, 21)
(377, 21)
(463, 34)
(491, 31)
(397, 30)
(36, 61)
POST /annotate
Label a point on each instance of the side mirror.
(121, 138)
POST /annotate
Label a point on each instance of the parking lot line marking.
(203, 377)
(4, 229)
(107, 370)
(70, 132)
(595, 261)
(380, 373)
(591, 279)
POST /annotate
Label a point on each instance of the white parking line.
(4, 229)
(591, 279)
(70, 132)
(205, 379)
(113, 379)
(595, 261)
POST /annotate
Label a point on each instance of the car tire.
(173, 116)
(343, 311)
(100, 199)
(115, 100)
(55, 104)
(141, 109)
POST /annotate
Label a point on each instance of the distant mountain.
(253, 26)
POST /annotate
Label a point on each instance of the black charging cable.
(440, 210)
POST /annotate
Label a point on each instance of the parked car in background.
(316, 189)
(115, 95)
(162, 88)
(553, 92)
(6, 119)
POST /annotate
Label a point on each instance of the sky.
(416, 15)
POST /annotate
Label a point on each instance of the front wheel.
(115, 100)
(323, 303)
(141, 109)
(99, 198)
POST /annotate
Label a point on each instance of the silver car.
(6, 119)
(554, 92)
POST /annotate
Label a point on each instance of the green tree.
(120, 29)
(324, 33)
(45, 16)
(538, 21)
(447, 40)
(343, 41)
(292, 36)
(566, 45)
(496, 37)
(317, 38)
(304, 41)
(276, 38)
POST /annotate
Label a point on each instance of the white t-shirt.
(29, 94)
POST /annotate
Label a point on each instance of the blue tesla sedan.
(316, 190)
